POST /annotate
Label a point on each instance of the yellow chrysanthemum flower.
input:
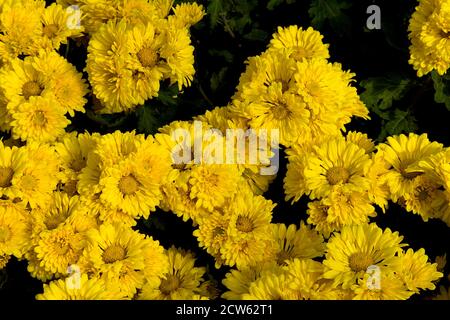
(270, 287)
(127, 187)
(301, 44)
(38, 120)
(304, 243)
(334, 164)
(325, 88)
(426, 198)
(428, 31)
(305, 278)
(352, 251)
(55, 28)
(238, 281)
(179, 56)
(347, 207)
(67, 84)
(73, 150)
(403, 153)
(318, 216)
(59, 248)
(117, 254)
(181, 282)
(188, 14)
(211, 184)
(415, 271)
(212, 234)
(81, 288)
(14, 232)
(387, 287)
(250, 216)
(21, 24)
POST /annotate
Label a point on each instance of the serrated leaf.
(168, 96)
(147, 120)
(442, 88)
(401, 122)
(381, 92)
(331, 11)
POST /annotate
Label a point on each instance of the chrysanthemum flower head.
(301, 44)
(404, 153)
(181, 282)
(415, 271)
(335, 163)
(81, 288)
(59, 248)
(387, 287)
(116, 252)
(14, 232)
(304, 243)
(188, 14)
(356, 248)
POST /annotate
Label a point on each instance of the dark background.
(235, 30)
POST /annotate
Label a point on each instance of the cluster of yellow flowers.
(429, 32)
(69, 208)
(70, 201)
(133, 45)
(346, 176)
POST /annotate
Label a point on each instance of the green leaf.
(272, 4)
(331, 11)
(227, 55)
(381, 92)
(256, 35)
(168, 96)
(214, 10)
(147, 119)
(442, 88)
(217, 78)
(401, 122)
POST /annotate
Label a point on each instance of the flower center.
(411, 175)
(70, 187)
(28, 182)
(50, 30)
(113, 253)
(78, 164)
(337, 175)
(5, 234)
(244, 224)
(128, 185)
(360, 261)
(6, 175)
(54, 221)
(148, 57)
(300, 53)
(30, 89)
(423, 194)
(170, 284)
(218, 231)
(281, 110)
(313, 88)
(282, 256)
(39, 118)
